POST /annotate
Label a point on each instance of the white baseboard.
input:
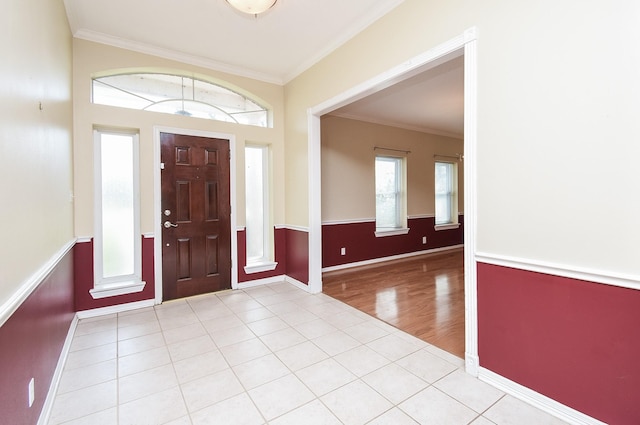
(392, 257)
(536, 399)
(57, 374)
(103, 311)
(260, 282)
(297, 283)
(471, 364)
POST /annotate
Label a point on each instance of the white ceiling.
(274, 47)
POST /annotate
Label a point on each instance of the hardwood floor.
(423, 296)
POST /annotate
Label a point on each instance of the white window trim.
(266, 262)
(393, 232)
(446, 226)
(402, 229)
(118, 285)
(260, 267)
(454, 224)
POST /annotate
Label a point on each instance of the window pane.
(255, 200)
(444, 192)
(177, 94)
(388, 191)
(118, 238)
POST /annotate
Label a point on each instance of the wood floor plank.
(423, 296)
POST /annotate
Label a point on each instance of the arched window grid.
(177, 94)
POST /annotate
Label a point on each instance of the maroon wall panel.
(297, 246)
(279, 239)
(576, 342)
(361, 243)
(31, 342)
(83, 261)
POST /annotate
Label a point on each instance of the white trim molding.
(297, 283)
(349, 221)
(536, 399)
(260, 267)
(463, 44)
(394, 232)
(562, 270)
(118, 308)
(31, 284)
(450, 226)
(260, 282)
(113, 289)
(420, 216)
(390, 258)
(298, 228)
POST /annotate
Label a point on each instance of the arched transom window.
(176, 94)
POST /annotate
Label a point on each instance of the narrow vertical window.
(445, 192)
(259, 232)
(390, 196)
(117, 245)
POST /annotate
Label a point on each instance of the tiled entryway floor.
(268, 355)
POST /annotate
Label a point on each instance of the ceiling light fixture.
(252, 7)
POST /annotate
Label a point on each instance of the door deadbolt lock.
(167, 212)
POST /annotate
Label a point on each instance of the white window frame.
(266, 261)
(125, 284)
(401, 198)
(451, 196)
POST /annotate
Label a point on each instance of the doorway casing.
(464, 44)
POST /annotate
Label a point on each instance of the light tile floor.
(268, 355)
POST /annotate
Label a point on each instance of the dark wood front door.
(196, 215)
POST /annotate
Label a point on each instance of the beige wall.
(557, 129)
(35, 144)
(93, 58)
(348, 167)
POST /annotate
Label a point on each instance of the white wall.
(35, 142)
(558, 101)
(348, 167)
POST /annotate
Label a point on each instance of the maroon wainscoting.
(279, 239)
(83, 268)
(31, 342)
(297, 259)
(361, 243)
(574, 341)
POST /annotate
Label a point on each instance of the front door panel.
(196, 215)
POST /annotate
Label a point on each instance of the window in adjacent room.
(446, 183)
(259, 231)
(117, 240)
(182, 95)
(390, 179)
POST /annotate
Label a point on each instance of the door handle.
(168, 224)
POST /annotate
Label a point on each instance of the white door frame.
(464, 44)
(157, 195)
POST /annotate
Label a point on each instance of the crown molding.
(388, 123)
(97, 37)
(354, 29)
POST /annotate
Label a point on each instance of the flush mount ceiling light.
(252, 7)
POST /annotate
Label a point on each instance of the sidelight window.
(117, 240)
(259, 232)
